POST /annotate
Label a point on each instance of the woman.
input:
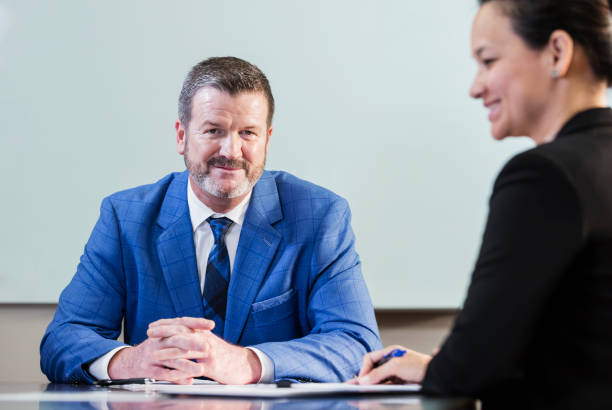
(536, 327)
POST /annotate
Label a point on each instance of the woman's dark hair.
(588, 22)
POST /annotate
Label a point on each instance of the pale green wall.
(372, 103)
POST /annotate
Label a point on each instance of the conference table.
(72, 396)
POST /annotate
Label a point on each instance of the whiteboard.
(372, 103)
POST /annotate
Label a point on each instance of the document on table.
(272, 390)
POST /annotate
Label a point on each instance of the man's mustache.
(228, 163)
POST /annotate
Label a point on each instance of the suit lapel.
(256, 249)
(177, 252)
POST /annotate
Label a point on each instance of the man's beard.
(200, 174)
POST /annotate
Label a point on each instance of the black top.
(535, 330)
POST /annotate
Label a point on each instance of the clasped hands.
(179, 349)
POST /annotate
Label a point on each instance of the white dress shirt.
(203, 240)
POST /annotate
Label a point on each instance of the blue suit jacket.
(296, 290)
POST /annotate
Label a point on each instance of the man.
(224, 271)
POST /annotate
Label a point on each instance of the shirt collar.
(199, 212)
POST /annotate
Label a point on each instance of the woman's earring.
(554, 74)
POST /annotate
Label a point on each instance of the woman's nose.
(477, 88)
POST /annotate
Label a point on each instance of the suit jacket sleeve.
(90, 310)
(534, 229)
(339, 312)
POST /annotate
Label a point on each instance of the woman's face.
(513, 80)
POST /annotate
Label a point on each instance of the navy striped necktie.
(216, 282)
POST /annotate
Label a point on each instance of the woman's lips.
(494, 109)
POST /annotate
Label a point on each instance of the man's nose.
(231, 146)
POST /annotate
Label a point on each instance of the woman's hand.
(409, 368)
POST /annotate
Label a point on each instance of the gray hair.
(229, 74)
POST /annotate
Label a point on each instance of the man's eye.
(212, 131)
(247, 133)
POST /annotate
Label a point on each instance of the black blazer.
(535, 330)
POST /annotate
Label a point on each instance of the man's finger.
(160, 372)
(176, 353)
(199, 342)
(174, 376)
(192, 322)
(183, 368)
(163, 322)
(168, 330)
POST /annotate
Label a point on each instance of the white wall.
(372, 103)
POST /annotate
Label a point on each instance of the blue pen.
(393, 353)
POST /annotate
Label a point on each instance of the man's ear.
(180, 137)
(268, 138)
(561, 49)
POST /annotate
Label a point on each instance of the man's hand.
(190, 338)
(409, 368)
(140, 361)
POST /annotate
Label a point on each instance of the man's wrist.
(254, 366)
(98, 369)
(115, 368)
(267, 366)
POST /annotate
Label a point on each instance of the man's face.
(226, 142)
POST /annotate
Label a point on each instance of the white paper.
(271, 390)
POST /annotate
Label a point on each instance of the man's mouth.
(228, 168)
(227, 164)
